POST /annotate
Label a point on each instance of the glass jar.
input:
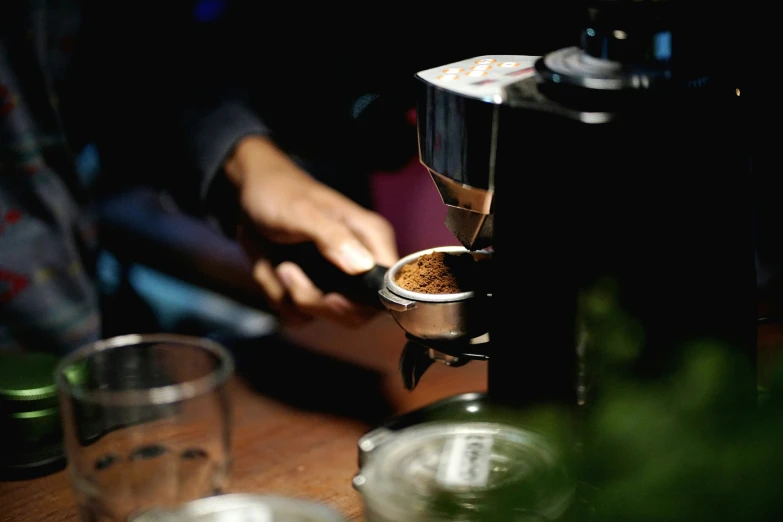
(244, 507)
(463, 471)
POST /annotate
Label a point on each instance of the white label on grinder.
(465, 461)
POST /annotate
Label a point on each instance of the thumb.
(338, 244)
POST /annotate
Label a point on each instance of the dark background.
(302, 67)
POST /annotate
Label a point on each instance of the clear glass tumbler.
(146, 421)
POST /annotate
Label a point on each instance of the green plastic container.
(29, 416)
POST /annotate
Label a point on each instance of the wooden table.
(284, 445)
(285, 441)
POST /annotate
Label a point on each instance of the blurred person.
(206, 100)
(68, 79)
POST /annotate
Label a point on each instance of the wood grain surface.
(298, 413)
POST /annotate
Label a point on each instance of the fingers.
(377, 234)
(348, 235)
(273, 290)
(297, 300)
(308, 300)
(295, 209)
(291, 294)
(372, 230)
(333, 238)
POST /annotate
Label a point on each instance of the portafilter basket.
(440, 317)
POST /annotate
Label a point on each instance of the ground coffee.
(441, 273)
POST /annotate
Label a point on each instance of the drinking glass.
(146, 423)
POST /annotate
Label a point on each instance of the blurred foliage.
(684, 448)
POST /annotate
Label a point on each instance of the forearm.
(213, 134)
(256, 152)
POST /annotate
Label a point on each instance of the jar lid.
(27, 381)
(465, 471)
(244, 507)
(29, 412)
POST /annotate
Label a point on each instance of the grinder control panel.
(482, 77)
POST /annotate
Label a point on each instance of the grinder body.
(622, 162)
(650, 194)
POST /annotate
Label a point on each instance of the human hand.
(283, 205)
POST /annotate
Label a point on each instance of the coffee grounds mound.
(440, 273)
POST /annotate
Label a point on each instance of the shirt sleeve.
(211, 134)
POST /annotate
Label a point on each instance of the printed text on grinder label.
(465, 461)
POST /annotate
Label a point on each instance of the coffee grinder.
(621, 159)
(620, 163)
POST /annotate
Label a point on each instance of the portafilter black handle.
(361, 288)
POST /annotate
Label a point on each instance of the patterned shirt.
(48, 300)
(48, 247)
